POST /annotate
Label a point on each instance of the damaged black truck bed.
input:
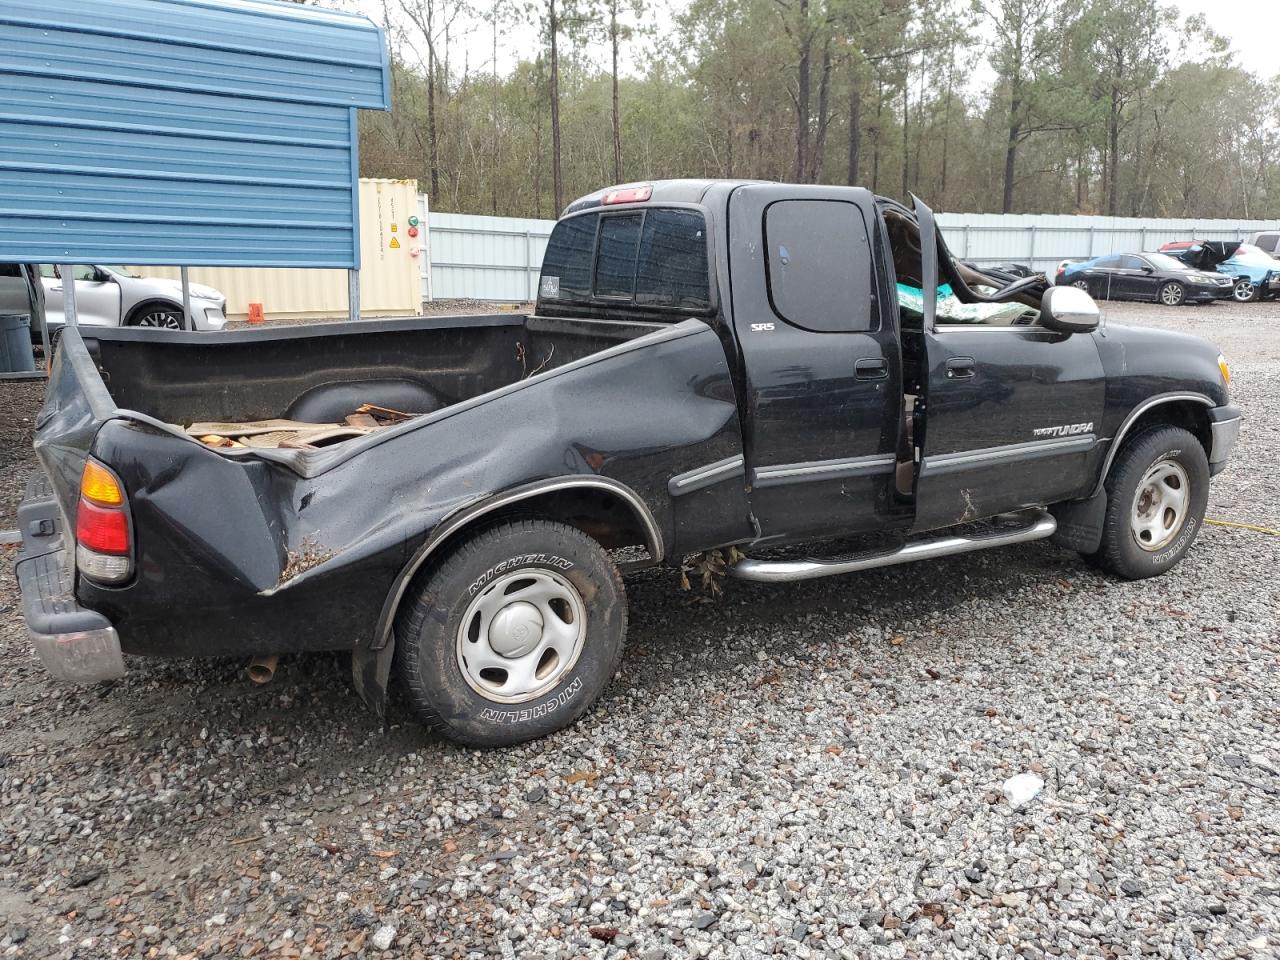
(711, 366)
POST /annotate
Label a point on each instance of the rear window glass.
(673, 260)
(652, 258)
(616, 261)
(566, 266)
(819, 265)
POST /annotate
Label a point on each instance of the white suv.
(114, 297)
(1268, 240)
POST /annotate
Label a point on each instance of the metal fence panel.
(484, 258)
(498, 258)
(1042, 242)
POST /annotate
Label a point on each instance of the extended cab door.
(822, 367)
(1010, 413)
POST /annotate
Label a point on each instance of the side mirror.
(1147, 268)
(1068, 310)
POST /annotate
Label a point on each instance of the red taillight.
(629, 195)
(101, 529)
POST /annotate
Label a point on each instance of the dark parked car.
(1015, 270)
(710, 364)
(21, 292)
(1156, 277)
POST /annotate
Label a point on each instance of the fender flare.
(1149, 404)
(464, 516)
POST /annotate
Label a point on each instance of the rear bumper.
(1224, 431)
(74, 644)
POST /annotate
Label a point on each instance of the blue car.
(1256, 273)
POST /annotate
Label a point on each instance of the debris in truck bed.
(297, 434)
(214, 440)
(384, 415)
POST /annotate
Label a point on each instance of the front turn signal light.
(1224, 370)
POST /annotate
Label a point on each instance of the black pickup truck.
(710, 364)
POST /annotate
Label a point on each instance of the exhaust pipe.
(262, 669)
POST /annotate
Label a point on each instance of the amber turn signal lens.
(97, 485)
(1225, 370)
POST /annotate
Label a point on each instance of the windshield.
(1163, 262)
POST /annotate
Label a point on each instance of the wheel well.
(599, 514)
(1191, 415)
(146, 305)
(604, 510)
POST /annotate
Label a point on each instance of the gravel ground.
(812, 770)
(20, 400)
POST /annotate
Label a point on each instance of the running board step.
(1041, 525)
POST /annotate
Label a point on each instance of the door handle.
(871, 368)
(961, 368)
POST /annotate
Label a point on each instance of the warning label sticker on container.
(395, 244)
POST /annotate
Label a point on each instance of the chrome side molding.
(1039, 526)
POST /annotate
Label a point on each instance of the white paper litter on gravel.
(1022, 789)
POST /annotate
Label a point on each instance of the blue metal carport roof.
(193, 132)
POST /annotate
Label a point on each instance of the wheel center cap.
(516, 630)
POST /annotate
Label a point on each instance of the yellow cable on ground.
(1243, 526)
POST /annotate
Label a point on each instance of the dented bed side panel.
(240, 556)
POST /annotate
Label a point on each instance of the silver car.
(114, 297)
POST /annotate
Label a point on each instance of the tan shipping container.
(390, 267)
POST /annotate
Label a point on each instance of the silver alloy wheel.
(1160, 505)
(1081, 285)
(1171, 294)
(160, 317)
(521, 635)
(1244, 291)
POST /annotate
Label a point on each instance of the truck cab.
(863, 405)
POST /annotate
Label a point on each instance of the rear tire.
(513, 635)
(1173, 294)
(1157, 492)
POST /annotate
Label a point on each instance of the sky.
(1251, 26)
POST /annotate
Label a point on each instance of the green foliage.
(1096, 106)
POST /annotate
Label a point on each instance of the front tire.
(513, 635)
(1172, 294)
(1245, 291)
(157, 315)
(1157, 492)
